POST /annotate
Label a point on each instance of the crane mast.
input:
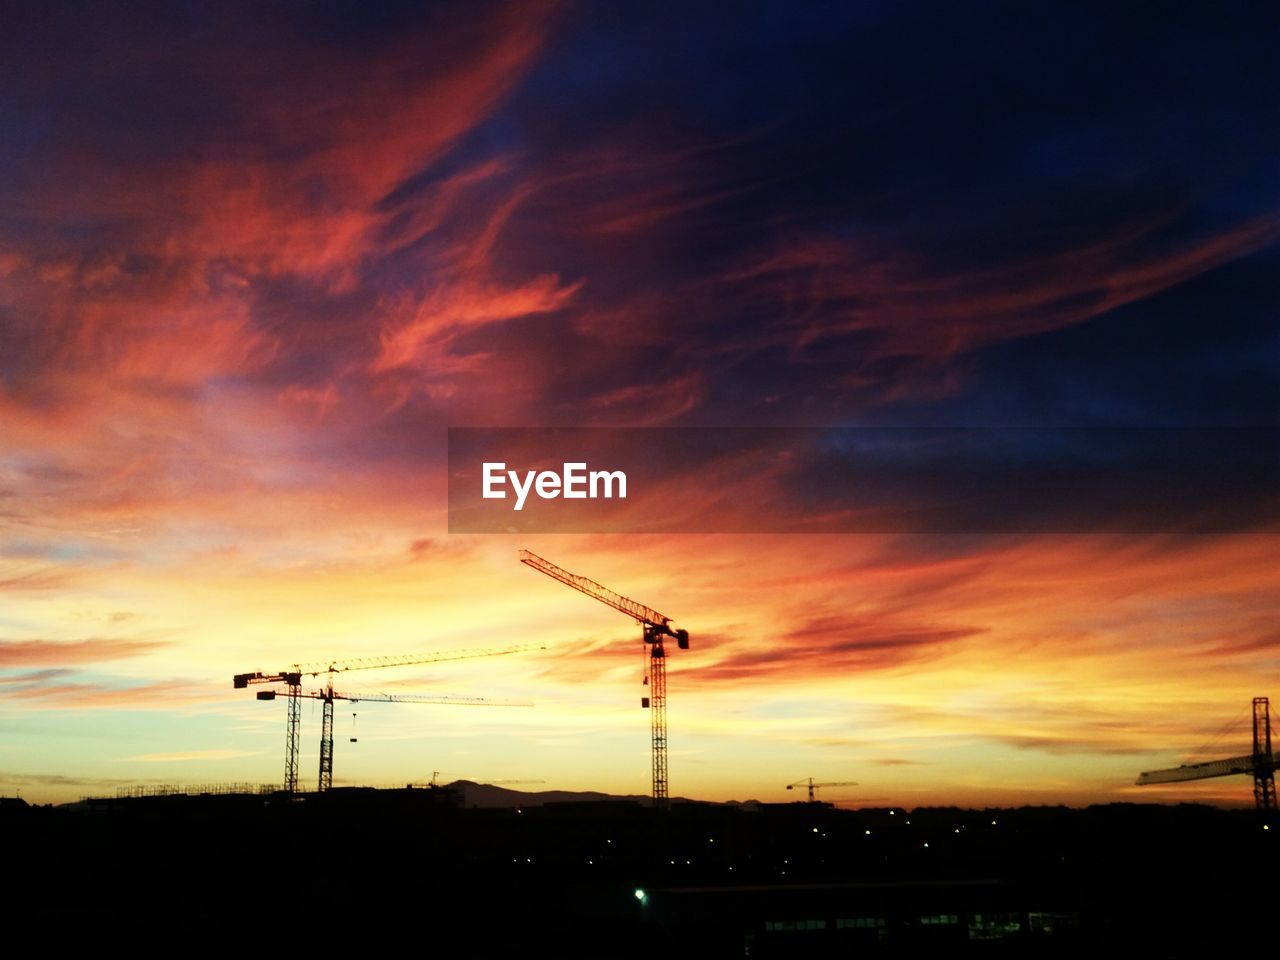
(656, 627)
(293, 730)
(656, 678)
(292, 679)
(1264, 762)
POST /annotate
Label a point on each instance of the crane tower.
(655, 628)
(292, 679)
(808, 781)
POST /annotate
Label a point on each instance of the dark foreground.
(619, 880)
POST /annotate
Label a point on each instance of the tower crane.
(818, 786)
(328, 695)
(655, 628)
(1260, 764)
(292, 679)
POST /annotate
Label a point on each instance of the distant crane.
(292, 679)
(818, 786)
(1260, 764)
(655, 628)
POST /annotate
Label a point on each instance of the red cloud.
(830, 288)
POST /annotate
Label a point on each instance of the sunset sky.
(255, 261)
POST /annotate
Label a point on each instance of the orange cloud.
(21, 653)
(162, 696)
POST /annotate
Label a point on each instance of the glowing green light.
(641, 895)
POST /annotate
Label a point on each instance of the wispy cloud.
(225, 754)
(22, 653)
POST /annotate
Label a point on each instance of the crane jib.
(638, 611)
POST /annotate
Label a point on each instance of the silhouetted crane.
(1261, 764)
(328, 695)
(818, 786)
(292, 679)
(655, 628)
